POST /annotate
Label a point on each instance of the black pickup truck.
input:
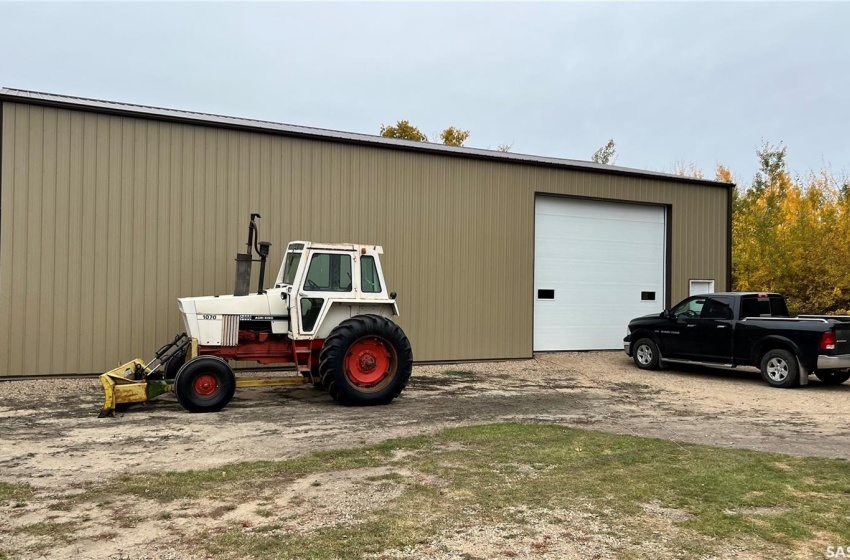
(744, 329)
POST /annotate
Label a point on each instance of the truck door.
(712, 332)
(675, 335)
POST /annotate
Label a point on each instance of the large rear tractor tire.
(366, 360)
(833, 376)
(205, 384)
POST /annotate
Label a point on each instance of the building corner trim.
(729, 211)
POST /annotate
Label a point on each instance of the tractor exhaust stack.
(245, 260)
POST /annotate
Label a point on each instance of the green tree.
(453, 136)
(403, 130)
(606, 154)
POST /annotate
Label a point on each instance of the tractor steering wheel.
(310, 285)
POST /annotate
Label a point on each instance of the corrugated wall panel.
(106, 220)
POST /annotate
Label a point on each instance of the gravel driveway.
(51, 436)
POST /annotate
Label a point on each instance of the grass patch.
(731, 495)
(14, 492)
(221, 482)
(460, 373)
(489, 475)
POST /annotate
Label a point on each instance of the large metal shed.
(110, 211)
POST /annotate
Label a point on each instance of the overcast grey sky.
(692, 82)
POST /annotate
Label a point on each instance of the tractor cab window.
(290, 267)
(329, 273)
(369, 281)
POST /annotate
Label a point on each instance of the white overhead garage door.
(597, 265)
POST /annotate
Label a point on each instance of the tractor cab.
(318, 279)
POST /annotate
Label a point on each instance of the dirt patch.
(53, 441)
(52, 437)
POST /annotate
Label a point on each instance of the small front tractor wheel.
(366, 360)
(205, 384)
(833, 376)
(780, 369)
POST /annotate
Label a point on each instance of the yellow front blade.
(119, 387)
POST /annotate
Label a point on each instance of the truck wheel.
(833, 376)
(205, 384)
(780, 369)
(366, 360)
(645, 354)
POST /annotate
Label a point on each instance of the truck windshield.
(290, 266)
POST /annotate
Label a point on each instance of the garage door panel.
(609, 273)
(641, 232)
(590, 250)
(551, 206)
(597, 257)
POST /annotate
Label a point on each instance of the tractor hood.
(203, 316)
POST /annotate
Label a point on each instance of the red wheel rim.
(368, 362)
(205, 384)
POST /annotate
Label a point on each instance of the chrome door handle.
(691, 326)
(722, 326)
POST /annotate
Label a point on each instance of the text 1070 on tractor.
(328, 313)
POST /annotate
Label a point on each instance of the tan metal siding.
(106, 220)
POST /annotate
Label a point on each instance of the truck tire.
(833, 376)
(366, 360)
(780, 368)
(205, 384)
(645, 354)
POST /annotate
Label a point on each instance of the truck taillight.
(827, 341)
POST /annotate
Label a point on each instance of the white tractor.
(329, 314)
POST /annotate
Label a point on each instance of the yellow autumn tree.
(792, 235)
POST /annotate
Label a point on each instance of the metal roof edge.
(269, 127)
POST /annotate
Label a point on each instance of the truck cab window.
(716, 309)
(690, 308)
(754, 306)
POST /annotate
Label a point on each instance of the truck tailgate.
(842, 335)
